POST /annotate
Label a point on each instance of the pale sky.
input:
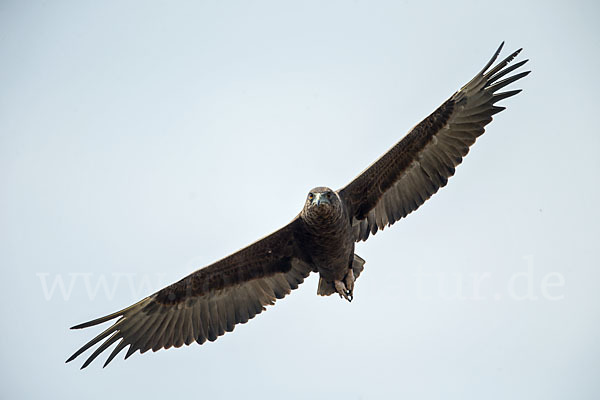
(140, 141)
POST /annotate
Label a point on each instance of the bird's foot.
(345, 288)
(349, 281)
(340, 287)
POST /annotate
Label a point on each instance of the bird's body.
(211, 301)
(329, 236)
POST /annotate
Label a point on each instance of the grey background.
(140, 141)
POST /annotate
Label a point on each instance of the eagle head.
(322, 203)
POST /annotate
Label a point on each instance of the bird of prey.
(211, 301)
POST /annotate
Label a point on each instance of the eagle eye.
(311, 196)
(328, 195)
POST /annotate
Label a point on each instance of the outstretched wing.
(421, 163)
(209, 302)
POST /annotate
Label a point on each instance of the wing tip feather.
(504, 95)
(493, 59)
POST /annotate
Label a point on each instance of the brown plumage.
(212, 300)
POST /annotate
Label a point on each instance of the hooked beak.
(320, 198)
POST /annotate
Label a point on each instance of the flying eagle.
(211, 301)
